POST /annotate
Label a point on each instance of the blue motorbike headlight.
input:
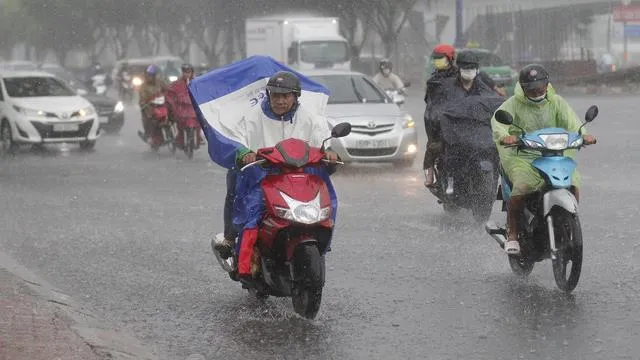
(577, 142)
(533, 144)
(555, 141)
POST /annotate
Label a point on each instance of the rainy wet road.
(126, 231)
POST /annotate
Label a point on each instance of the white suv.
(38, 108)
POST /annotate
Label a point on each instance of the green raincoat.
(552, 112)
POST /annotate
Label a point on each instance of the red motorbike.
(296, 228)
(163, 131)
(188, 137)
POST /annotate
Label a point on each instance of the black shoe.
(223, 247)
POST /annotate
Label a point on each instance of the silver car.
(381, 132)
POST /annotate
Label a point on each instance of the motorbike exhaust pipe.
(498, 234)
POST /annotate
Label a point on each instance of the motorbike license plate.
(104, 119)
(372, 144)
(65, 127)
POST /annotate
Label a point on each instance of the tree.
(60, 25)
(387, 18)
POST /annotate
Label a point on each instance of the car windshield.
(351, 89)
(323, 51)
(489, 59)
(36, 86)
(68, 78)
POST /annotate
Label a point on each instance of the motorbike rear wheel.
(190, 143)
(568, 236)
(307, 294)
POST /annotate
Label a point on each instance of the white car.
(38, 108)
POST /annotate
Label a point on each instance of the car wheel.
(6, 136)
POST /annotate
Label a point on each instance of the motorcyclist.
(535, 105)
(180, 102)
(442, 57)
(151, 88)
(97, 76)
(266, 125)
(386, 79)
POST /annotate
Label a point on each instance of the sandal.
(512, 247)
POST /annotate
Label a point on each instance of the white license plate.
(372, 144)
(104, 119)
(65, 127)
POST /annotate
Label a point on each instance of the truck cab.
(319, 52)
(304, 43)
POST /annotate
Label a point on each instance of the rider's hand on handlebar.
(249, 158)
(589, 139)
(509, 140)
(331, 156)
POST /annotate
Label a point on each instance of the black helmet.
(284, 82)
(186, 67)
(533, 76)
(386, 64)
(467, 59)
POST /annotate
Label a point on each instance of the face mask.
(386, 72)
(468, 74)
(537, 100)
(441, 63)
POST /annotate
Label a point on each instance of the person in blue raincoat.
(279, 116)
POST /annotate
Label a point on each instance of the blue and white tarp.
(221, 97)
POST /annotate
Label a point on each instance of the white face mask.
(468, 74)
(386, 72)
(537, 99)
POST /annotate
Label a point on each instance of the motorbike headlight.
(555, 141)
(577, 142)
(119, 107)
(29, 112)
(136, 81)
(303, 212)
(86, 111)
(408, 121)
(173, 78)
(533, 144)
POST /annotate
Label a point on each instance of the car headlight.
(303, 212)
(555, 141)
(29, 112)
(119, 107)
(408, 121)
(86, 111)
(136, 81)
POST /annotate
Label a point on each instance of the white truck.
(300, 42)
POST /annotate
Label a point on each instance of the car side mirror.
(591, 114)
(341, 130)
(503, 117)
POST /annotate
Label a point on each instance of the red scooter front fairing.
(295, 201)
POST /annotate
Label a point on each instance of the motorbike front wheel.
(309, 270)
(568, 236)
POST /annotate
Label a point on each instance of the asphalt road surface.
(127, 231)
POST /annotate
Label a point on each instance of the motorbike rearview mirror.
(407, 83)
(591, 113)
(341, 130)
(504, 117)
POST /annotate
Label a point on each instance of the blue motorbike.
(549, 224)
